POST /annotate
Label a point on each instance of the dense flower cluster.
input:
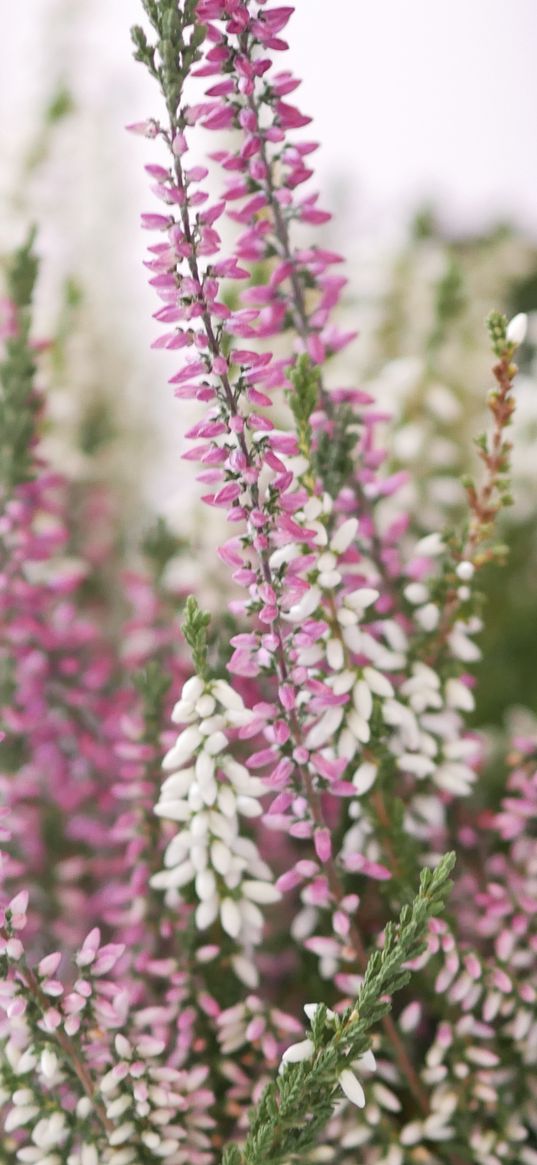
(161, 935)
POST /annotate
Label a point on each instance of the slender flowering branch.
(486, 501)
(292, 1111)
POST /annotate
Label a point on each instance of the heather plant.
(227, 934)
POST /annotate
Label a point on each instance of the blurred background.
(425, 112)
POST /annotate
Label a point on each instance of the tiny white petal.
(231, 917)
(192, 689)
(205, 705)
(184, 747)
(363, 700)
(173, 810)
(226, 695)
(296, 1053)
(172, 879)
(517, 328)
(311, 1010)
(245, 970)
(428, 616)
(379, 683)
(364, 777)
(307, 605)
(344, 536)
(206, 913)
(430, 546)
(367, 1060)
(182, 712)
(362, 598)
(220, 857)
(465, 571)
(335, 655)
(459, 696)
(262, 892)
(352, 1088)
(216, 743)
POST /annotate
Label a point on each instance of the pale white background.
(410, 99)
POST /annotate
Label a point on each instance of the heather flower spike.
(207, 834)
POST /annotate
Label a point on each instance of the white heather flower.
(328, 577)
(88, 1155)
(377, 682)
(245, 970)
(226, 695)
(455, 778)
(335, 655)
(352, 1088)
(430, 546)
(386, 1098)
(422, 688)
(465, 571)
(517, 328)
(459, 696)
(358, 727)
(311, 1010)
(363, 700)
(49, 1063)
(229, 877)
(324, 730)
(428, 616)
(416, 593)
(305, 607)
(19, 1115)
(344, 535)
(296, 1053)
(420, 766)
(364, 777)
(462, 646)
(360, 599)
(367, 1060)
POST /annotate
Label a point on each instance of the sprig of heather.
(294, 1109)
(452, 594)
(19, 399)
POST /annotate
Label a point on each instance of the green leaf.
(194, 628)
(18, 398)
(497, 329)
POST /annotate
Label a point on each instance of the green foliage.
(450, 300)
(152, 682)
(96, 428)
(333, 457)
(194, 628)
(61, 104)
(18, 401)
(506, 674)
(303, 399)
(160, 545)
(21, 273)
(295, 1107)
(171, 57)
(497, 329)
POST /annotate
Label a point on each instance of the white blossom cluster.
(207, 792)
